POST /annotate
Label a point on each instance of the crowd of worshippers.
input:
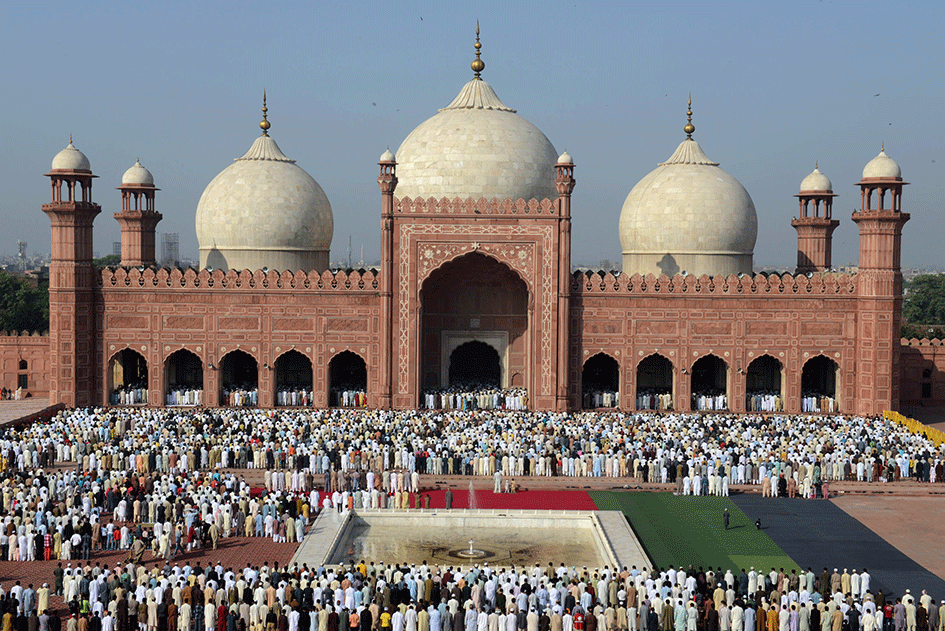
(130, 394)
(744, 449)
(655, 399)
(294, 397)
(352, 396)
(709, 399)
(184, 395)
(818, 402)
(463, 398)
(245, 395)
(764, 401)
(594, 399)
(379, 597)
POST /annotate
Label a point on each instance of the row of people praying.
(709, 400)
(294, 397)
(601, 399)
(245, 395)
(654, 399)
(130, 394)
(765, 401)
(472, 398)
(184, 396)
(349, 397)
(818, 403)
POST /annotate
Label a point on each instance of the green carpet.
(683, 531)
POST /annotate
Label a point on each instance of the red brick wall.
(34, 349)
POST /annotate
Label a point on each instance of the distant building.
(170, 249)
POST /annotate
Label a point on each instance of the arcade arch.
(764, 385)
(475, 362)
(128, 378)
(600, 382)
(293, 372)
(347, 380)
(655, 383)
(183, 378)
(473, 298)
(239, 380)
(819, 385)
(710, 383)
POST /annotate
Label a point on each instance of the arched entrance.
(819, 385)
(763, 385)
(476, 363)
(655, 383)
(293, 379)
(710, 383)
(239, 380)
(347, 385)
(600, 382)
(473, 298)
(183, 376)
(128, 378)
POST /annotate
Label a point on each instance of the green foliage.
(22, 306)
(107, 261)
(925, 300)
(919, 332)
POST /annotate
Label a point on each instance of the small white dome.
(882, 166)
(816, 181)
(137, 174)
(565, 158)
(387, 156)
(476, 147)
(264, 211)
(688, 215)
(71, 159)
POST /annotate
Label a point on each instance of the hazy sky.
(775, 87)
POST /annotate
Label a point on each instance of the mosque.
(474, 286)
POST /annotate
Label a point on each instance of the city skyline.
(180, 87)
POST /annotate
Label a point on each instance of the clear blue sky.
(776, 87)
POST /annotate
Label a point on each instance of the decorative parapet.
(36, 334)
(914, 343)
(745, 284)
(470, 206)
(176, 278)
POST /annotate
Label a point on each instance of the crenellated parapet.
(916, 343)
(745, 284)
(470, 206)
(189, 278)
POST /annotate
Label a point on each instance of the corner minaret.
(564, 182)
(815, 223)
(387, 180)
(879, 285)
(72, 318)
(137, 218)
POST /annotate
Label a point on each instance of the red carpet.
(529, 500)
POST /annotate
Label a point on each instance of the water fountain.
(472, 553)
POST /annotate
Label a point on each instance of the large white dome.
(71, 159)
(882, 166)
(688, 215)
(476, 147)
(264, 211)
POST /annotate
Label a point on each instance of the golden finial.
(816, 164)
(882, 148)
(70, 139)
(478, 65)
(689, 128)
(264, 124)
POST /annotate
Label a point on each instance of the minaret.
(564, 182)
(815, 223)
(137, 218)
(387, 180)
(879, 285)
(74, 361)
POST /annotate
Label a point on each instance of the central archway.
(475, 363)
(239, 380)
(600, 382)
(128, 382)
(710, 383)
(474, 298)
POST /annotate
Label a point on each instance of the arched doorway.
(473, 298)
(655, 383)
(475, 364)
(710, 383)
(183, 376)
(763, 385)
(239, 380)
(819, 385)
(128, 378)
(600, 382)
(347, 385)
(293, 379)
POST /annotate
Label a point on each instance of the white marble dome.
(688, 215)
(137, 174)
(476, 147)
(816, 181)
(71, 159)
(264, 211)
(882, 166)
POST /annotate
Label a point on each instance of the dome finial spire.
(689, 128)
(881, 148)
(264, 123)
(478, 65)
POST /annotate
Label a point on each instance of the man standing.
(449, 499)
(725, 518)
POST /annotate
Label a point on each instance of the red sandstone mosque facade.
(475, 223)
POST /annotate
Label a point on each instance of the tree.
(110, 260)
(924, 301)
(22, 306)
